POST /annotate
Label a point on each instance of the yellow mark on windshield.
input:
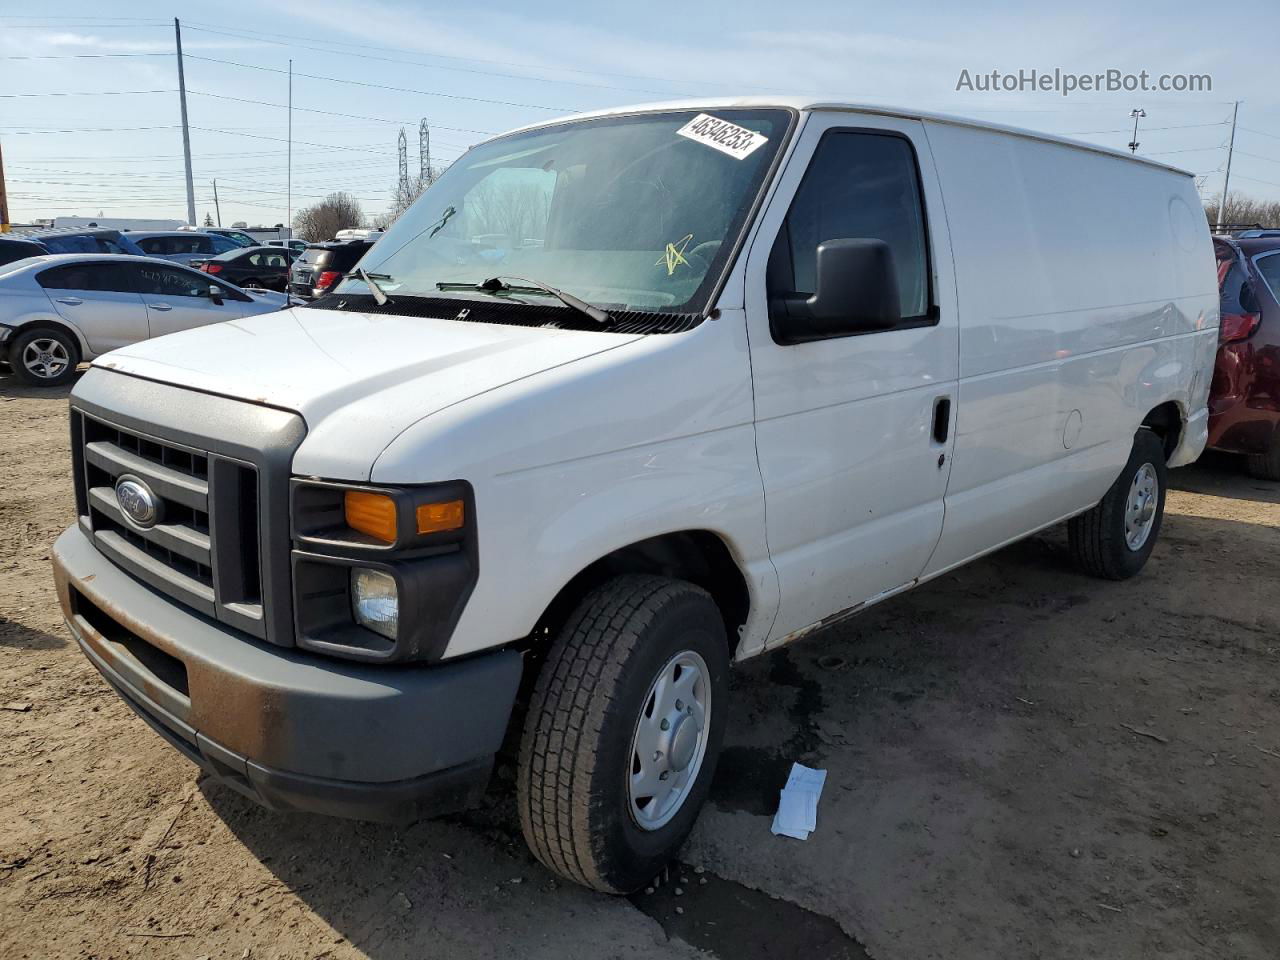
(674, 254)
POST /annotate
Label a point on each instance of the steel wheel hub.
(1140, 507)
(670, 740)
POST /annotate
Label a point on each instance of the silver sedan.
(57, 311)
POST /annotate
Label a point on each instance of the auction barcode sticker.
(722, 135)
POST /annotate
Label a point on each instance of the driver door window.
(178, 299)
(858, 185)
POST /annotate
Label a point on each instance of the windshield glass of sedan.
(637, 212)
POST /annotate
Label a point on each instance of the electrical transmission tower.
(404, 164)
(424, 154)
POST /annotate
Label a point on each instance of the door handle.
(158, 306)
(941, 419)
(73, 301)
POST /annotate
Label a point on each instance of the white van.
(620, 400)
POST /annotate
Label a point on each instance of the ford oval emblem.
(138, 503)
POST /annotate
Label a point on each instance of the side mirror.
(857, 292)
(215, 293)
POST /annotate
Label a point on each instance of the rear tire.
(612, 686)
(1266, 466)
(1115, 538)
(44, 357)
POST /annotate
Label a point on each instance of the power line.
(259, 136)
(260, 35)
(383, 86)
(334, 113)
(437, 66)
(1270, 183)
(84, 93)
(82, 56)
(1256, 156)
(24, 133)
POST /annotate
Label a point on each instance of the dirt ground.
(1023, 763)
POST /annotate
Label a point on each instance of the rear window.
(316, 256)
(74, 245)
(346, 257)
(1233, 289)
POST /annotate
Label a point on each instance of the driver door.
(178, 299)
(854, 432)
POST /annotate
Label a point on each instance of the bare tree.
(1243, 210)
(208, 219)
(337, 211)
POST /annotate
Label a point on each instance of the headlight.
(375, 601)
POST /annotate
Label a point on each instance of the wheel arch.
(1167, 421)
(56, 323)
(699, 556)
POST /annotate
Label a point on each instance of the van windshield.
(636, 212)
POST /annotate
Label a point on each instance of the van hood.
(357, 379)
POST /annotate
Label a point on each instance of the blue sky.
(480, 68)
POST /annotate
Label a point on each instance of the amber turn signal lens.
(371, 513)
(437, 517)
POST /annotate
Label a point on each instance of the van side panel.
(1087, 297)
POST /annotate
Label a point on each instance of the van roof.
(812, 103)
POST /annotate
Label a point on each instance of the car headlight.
(375, 601)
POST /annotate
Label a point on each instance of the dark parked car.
(1244, 403)
(265, 267)
(322, 265)
(16, 248)
(88, 241)
(239, 236)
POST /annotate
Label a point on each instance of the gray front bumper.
(288, 729)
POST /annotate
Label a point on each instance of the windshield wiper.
(499, 285)
(379, 295)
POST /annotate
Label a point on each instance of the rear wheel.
(44, 357)
(1266, 466)
(623, 732)
(1115, 538)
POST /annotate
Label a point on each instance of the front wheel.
(1115, 538)
(623, 731)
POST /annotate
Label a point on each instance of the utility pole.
(4, 199)
(217, 208)
(1226, 181)
(1137, 113)
(289, 162)
(186, 133)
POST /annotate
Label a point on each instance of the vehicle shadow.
(19, 636)
(460, 886)
(1223, 475)
(12, 388)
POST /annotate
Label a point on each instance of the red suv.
(1244, 403)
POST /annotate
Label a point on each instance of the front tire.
(44, 357)
(1115, 538)
(623, 731)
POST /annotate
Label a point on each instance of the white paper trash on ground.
(797, 814)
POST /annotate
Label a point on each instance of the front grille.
(205, 548)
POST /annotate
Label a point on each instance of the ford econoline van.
(621, 400)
